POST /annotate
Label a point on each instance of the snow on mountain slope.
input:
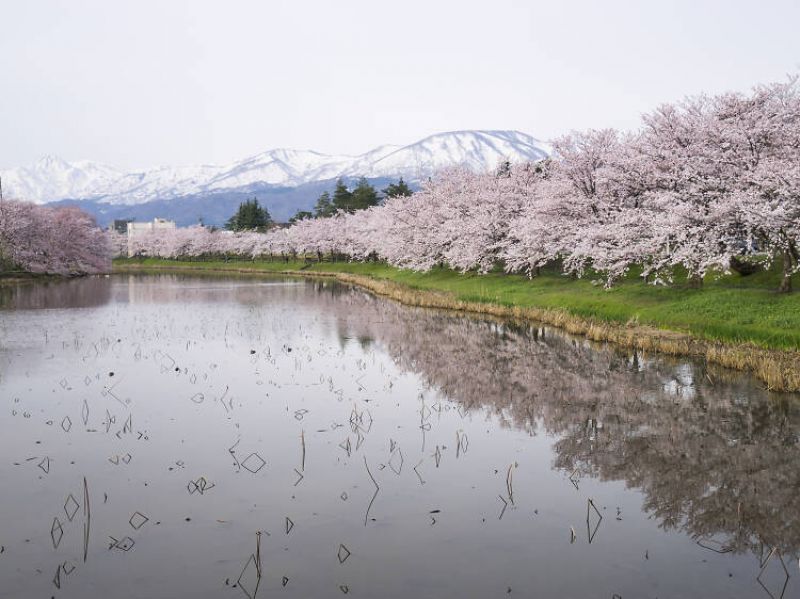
(53, 179)
(280, 167)
(161, 183)
(477, 150)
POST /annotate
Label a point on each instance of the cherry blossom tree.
(760, 139)
(700, 183)
(64, 241)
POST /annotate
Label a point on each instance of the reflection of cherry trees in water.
(712, 466)
(86, 292)
(713, 454)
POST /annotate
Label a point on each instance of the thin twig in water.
(258, 553)
(374, 482)
(87, 512)
(589, 531)
(377, 490)
(303, 443)
(510, 484)
(419, 476)
(505, 505)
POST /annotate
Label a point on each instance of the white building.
(158, 224)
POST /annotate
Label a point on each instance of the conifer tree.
(398, 189)
(300, 215)
(363, 196)
(324, 206)
(342, 197)
(249, 217)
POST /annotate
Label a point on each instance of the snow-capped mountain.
(53, 179)
(477, 150)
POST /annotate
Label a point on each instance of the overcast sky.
(141, 83)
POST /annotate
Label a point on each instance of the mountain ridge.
(52, 179)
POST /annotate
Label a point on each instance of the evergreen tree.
(301, 215)
(398, 189)
(249, 217)
(324, 207)
(363, 196)
(342, 197)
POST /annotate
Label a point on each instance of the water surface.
(170, 436)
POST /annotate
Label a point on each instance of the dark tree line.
(344, 199)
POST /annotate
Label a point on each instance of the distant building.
(135, 228)
(157, 224)
(121, 225)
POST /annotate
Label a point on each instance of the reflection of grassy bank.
(734, 321)
(15, 277)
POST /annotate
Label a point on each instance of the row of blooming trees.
(63, 241)
(698, 186)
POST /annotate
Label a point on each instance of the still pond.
(205, 437)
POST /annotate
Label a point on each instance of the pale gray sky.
(142, 83)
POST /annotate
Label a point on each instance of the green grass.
(729, 308)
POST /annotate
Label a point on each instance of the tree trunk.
(786, 279)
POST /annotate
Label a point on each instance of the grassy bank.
(735, 321)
